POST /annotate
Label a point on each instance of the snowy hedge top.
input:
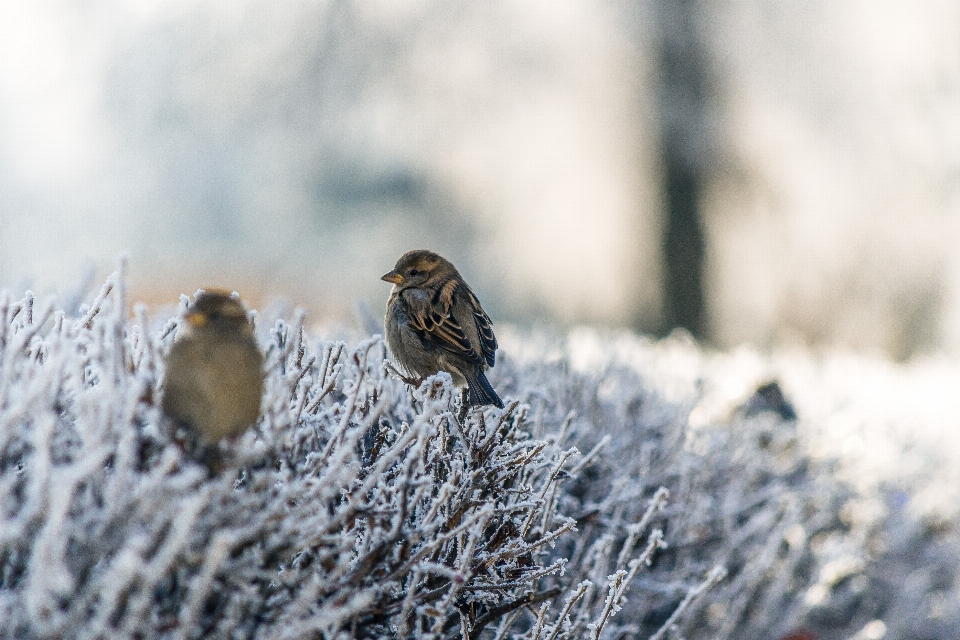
(357, 507)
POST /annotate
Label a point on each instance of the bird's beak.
(393, 277)
(196, 319)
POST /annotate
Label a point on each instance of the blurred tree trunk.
(682, 113)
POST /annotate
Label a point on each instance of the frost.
(357, 507)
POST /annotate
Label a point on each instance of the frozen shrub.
(356, 507)
(744, 499)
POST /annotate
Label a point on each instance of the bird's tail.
(481, 391)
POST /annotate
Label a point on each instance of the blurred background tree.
(799, 160)
(682, 110)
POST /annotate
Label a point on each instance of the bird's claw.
(414, 382)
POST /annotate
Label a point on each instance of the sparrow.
(434, 322)
(214, 373)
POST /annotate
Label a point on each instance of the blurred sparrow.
(435, 323)
(214, 377)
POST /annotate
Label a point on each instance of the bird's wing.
(488, 341)
(436, 323)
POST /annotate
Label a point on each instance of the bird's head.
(418, 267)
(219, 312)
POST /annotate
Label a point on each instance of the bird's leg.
(212, 458)
(412, 381)
(185, 439)
(464, 405)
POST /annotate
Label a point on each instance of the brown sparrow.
(214, 376)
(434, 323)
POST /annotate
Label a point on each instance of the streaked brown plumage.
(214, 378)
(434, 322)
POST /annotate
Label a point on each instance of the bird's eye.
(414, 272)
